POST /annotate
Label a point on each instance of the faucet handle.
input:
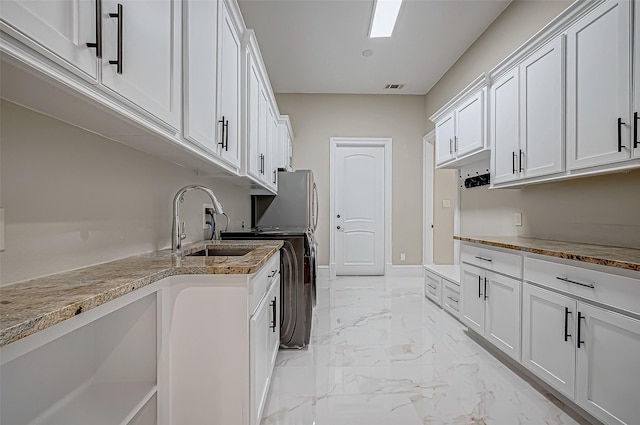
(182, 234)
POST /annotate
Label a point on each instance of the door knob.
(338, 216)
(338, 227)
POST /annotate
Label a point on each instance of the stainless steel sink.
(221, 252)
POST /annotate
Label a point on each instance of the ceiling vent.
(394, 86)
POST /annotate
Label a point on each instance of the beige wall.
(316, 118)
(491, 212)
(73, 199)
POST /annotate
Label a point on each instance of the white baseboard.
(404, 271)
(323, 273)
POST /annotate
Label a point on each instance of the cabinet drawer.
(261, 282)
(451, 298)
(433, 287)
(606, 288)
(489, 259)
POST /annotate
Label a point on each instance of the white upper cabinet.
(228, 87)
(598, 87)
(201, 19)
(273, 149)
(527, 117)
(142, 55)
(505, 127)
(460, 127)
(62, 27)
(285, 136)
(445, 134)
(470, 125)
(253, 130)
(636, 76)
(542, 111)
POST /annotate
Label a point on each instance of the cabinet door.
(542, 111)
(253, 119)
(636, 67)
(505, 128)
(228, 87)
(273, 153)
(200, 64)
(259, 355)
(470, 122)
(64, 27)
(472, 287)
(598, 86)
(149, 74)
(502, 326)
(445, 133)
(548, 337)
(274, 325)
(608, 376)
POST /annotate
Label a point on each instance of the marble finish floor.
(382, 354)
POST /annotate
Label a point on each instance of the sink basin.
(221, 252)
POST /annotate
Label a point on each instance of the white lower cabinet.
(451, 298)
(433, 287)
(264, 333)
(548, 337)
(491, 307)
(608, 365)
(224, 339)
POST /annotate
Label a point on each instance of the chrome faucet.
(177, 234)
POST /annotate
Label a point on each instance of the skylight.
(385, 13)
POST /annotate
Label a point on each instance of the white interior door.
(359, 199)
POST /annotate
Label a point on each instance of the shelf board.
(101, 404)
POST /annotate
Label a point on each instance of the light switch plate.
(517, 219)
(446, 203)
(205, 226)
(1, 229)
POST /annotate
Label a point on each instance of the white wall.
(74, 199)
(318, 117)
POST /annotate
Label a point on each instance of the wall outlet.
(403, 256)
(517, 219)
(1, 229)
(205, 217)
(446, 203)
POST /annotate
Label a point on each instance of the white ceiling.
(315, 46)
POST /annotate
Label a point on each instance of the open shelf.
(101, 404)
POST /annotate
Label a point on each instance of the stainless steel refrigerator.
(296, 204)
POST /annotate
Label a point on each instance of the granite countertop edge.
(618, 257)
(46, 318)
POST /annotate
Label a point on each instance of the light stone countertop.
(611, 256)
(31, 306)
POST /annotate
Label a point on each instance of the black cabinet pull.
(226, 136)
(485, 288)
(479, 283)
(221, 142)
(580, 317)
(98, 44)
(483, 259)
(119, 16)
(564, 279)
(513, 162)
(635, 129)
(620, 145)
(520, 161)
(453, 299)
(566, 323)
(273, 312)
(274, 176)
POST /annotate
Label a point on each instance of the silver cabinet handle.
(564, 279)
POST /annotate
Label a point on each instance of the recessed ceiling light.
(385, 13)
(366, 53)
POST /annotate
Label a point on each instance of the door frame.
(358, 142)
(428, 154)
